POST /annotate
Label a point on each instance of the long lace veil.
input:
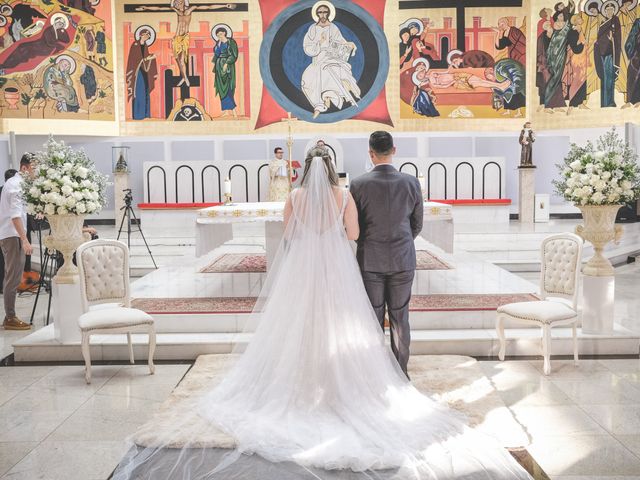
(312, 391)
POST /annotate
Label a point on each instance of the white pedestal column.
(526, 194)
(120, 183)
(273, 232)
(66, 308)
(598, 298)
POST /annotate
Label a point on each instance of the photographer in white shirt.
(14, 242)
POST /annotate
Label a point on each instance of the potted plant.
(599, 179)
(65, 187)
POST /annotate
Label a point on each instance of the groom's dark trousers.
(390, 209)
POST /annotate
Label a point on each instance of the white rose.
(613, 198)
(66, 190)
(62, 211)
(70, 202)
(66, 166)
(50, 209)
(626, 184)
(80, 208)
(66, 180)
(594, 179)
(597, 197)
(91, 207)
(600, 185)
(51, 172)
(78, 195)
(82, 172)
(95, 196)
(606, 175)
(589, 166)
(59, 200)
(576, 164)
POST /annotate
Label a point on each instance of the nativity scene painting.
(186, 61)
(56, 60)
(588, 56)
(475, 72)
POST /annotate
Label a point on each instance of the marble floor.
(583, 423)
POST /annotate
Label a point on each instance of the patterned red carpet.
(257, 263)
(419, 303)
(237, 263)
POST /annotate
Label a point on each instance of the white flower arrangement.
(604, 174)
(65, 181)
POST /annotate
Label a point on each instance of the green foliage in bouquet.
(64, 181)
(604, 174)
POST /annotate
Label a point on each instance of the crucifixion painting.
(189, 59)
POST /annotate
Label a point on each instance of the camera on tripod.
(126, 217)
(128, 198)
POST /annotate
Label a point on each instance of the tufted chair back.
(561, 256)
(104, 273)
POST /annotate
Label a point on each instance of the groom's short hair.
(381, 142)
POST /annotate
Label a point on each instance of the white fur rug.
(456, 381)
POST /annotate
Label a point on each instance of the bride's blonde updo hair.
(328, 165)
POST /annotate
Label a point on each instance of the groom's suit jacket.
(390, 206)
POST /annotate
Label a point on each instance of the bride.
(317, 394)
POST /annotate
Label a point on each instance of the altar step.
(516, 247)
(41, 345)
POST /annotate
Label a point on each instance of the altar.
(214, 225)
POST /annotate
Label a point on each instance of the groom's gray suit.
(390, 208)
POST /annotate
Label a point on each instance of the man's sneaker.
(14, 323)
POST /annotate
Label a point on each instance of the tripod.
(49, 264)
(128, 213)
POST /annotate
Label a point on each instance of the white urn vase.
(66, 236)
(599, 228)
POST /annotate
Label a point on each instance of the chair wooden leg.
(575, 345)
(86, 354)
(131, 359)
(501, 337)
(152, 348)
(546, 350)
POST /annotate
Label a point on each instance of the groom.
(390, 208)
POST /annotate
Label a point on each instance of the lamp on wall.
(120, 160)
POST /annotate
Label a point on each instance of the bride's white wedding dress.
(317, 393)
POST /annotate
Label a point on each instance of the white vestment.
(328, 78)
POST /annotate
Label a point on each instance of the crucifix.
(460, 6)
(289, 119)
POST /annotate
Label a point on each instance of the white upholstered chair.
(559, 286)
(106, 301)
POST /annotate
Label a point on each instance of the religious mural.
(323, 61)
(462, 62)
(56, 59)
(588, 56)
(186, 61)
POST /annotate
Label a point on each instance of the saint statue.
(527, 138)
(279, 182)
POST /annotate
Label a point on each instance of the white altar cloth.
(214, 225)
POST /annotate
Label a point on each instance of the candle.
(423, 185)
(227, 186)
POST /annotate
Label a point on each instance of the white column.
(526, 194)
(273, 232)
(120, 183)
(66, 308)
(598, 302)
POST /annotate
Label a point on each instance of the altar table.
(214, 225)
